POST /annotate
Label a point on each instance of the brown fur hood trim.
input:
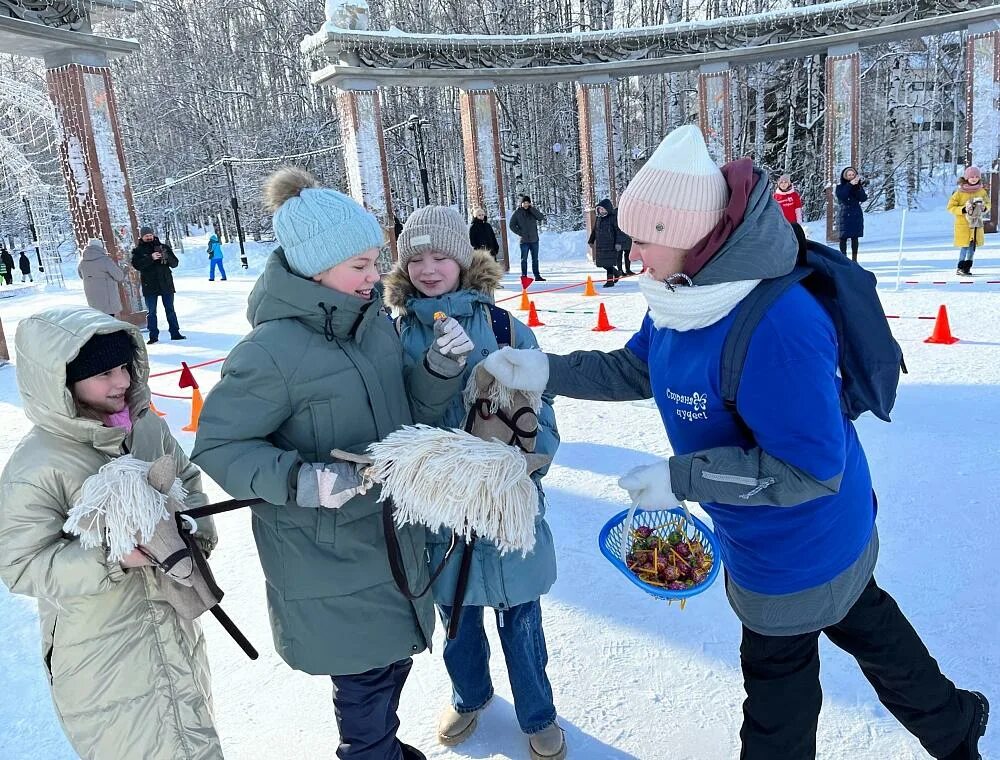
(484, 274)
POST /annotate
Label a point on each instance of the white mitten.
(520, 369)
(649, 486)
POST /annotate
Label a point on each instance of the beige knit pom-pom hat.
(678, 196)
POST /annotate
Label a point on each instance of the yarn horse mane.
(473, 482)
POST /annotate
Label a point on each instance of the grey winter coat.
(321, 370)
(524, 223)
(100, 275)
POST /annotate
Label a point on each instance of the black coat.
(608, 239)
(155, 275)
(8, 263)
(25, 263)
(482, 236)
(851, 219)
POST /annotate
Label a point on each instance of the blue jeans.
(467, 659)
(168, 307)
(222, 269)
(366, 705)
(531, 248)
(967, 253)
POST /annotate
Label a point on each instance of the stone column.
(843, 103)
(982, 109)
(715, 112)
(360, 107)
(93, 162)
(597, 147)
(481, 144)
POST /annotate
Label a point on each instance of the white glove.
(446, 355)
(453, 340)
(649, 486)
(519, 369)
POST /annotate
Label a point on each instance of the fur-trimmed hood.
(483, 275)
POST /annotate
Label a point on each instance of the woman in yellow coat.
(970, 205)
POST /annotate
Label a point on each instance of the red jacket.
(789, 202)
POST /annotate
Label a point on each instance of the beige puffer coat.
(129, 678)
(100, 275)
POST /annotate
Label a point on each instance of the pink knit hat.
(678, 196)
(972, 174)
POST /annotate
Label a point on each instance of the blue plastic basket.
(694, 529)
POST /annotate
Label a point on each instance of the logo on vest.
(690, 408)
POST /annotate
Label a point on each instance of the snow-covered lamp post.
(415, 125)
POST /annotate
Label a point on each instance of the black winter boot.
(411, 753)
(969, 748)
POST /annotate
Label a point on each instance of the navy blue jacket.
(851, 217)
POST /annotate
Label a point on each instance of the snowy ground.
(633, 678)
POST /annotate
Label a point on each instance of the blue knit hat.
(317, 227)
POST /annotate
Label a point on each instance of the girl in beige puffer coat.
(129, 677)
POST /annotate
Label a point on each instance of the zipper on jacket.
(499, 618)
(758, 485)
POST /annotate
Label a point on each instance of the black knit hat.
(100, 354)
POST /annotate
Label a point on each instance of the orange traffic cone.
(533, 320)
(525, 303)
(942, 329)
(603, 325)
(196, 404)
(589, 290)
(154, 410)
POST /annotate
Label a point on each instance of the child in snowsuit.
(129, 677)
(970, 205)
(323, 369)
(215, 258)
(608, 242)
(851, 216)
(783, 476)
(789, 200)
(439, 272)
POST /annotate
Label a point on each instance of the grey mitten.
(330, 485)
(447, 353)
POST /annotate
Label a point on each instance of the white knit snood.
(692, 307)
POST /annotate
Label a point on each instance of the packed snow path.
(633, 678)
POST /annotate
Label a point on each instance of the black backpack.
(870, 358)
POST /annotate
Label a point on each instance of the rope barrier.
(951, 282)
(190, 366)
(547, 290)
